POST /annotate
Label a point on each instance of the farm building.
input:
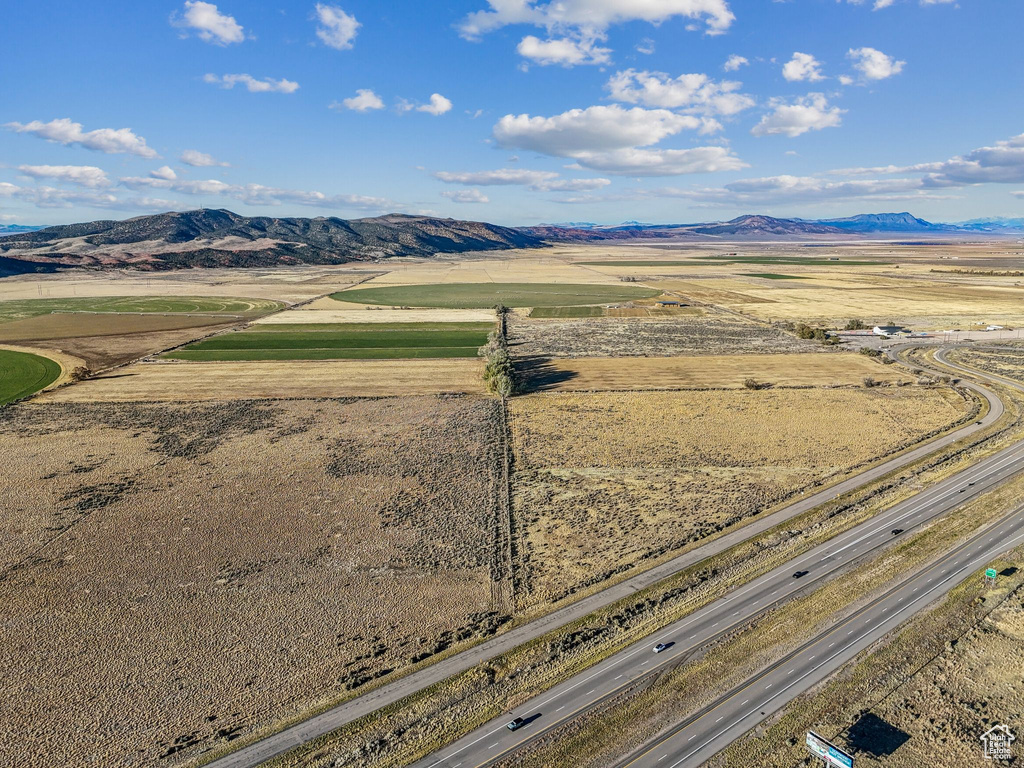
(888, 330)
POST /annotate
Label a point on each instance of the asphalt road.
(582, 692)
(308, 730)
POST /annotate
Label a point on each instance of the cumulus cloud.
(53, 197)
(82, 175)
(198, 159)
(575, 27)
(336, 28)
(210, 24)
(809, 113)
(267, 85)
(437, 105)
(365, 100)
(634, 161)
(164, 172)
(594, 15)
(873, 64)
(546, 181)
(65, 131)
(259, 194)
(802, 67)
(734, 62)
(465, 196)
(593, 129)
(1002, 163)
(880, 4)
(693, 92)
(565, 51)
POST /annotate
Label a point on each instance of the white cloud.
(267, 85)
(846, 80)
(802, 67)
(211, 25)
(438, 105)
(734, 62)
(82, 175)
(633, 161)
(808, 113)
(64, 131)
(1018, 193)
(594, 129)
(693, 92)
(465, 196)
(546, 181)
(594, 16)
(337, 29)
(565, 51)
(364, 101)
(51, 197)
(198, 159)
(164, 172)
(259, 194)
(500, 177)
(873, 64)
(645, 46)
(999, 164)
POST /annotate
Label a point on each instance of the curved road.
(319, 725)
(705, 733)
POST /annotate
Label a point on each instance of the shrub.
(870, 352)
(855, 325)
(755, 384)
(870, 382)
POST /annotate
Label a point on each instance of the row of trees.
(499, 373)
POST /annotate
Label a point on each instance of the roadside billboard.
(827, 751)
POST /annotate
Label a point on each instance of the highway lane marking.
(560, 708)
(618, 677)
(810, 671)
(493, 745)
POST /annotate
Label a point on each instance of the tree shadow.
(875, 736)
(537, 373)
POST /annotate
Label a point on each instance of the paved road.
(700, 737)
(302, 733)
(615, 674)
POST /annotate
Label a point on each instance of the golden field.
(187, 381)
(606, 482)
(709, 372)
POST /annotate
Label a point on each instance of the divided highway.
(745, 606)
(567, 700)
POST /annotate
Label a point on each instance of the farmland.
(17, 309)
(606, 482)
(709, 333)
(329, 341)
(306, 546)
(483, 295)
(707, 372)
(22, 373)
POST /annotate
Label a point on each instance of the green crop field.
(568, 312)
(774, 276)
(484, 295)
(21, 374)
(358, 341)
(22, 308)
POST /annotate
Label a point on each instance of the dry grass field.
(188, 381)
(323, 313)
(713, 333)
(606, 482)
(1005, 361)
(178, 575)
(707, 372)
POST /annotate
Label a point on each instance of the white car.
(660, 647)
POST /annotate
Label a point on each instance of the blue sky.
(513, 111)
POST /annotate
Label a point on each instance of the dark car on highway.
(800, 574)
(516, 724)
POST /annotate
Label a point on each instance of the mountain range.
(220, 238)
